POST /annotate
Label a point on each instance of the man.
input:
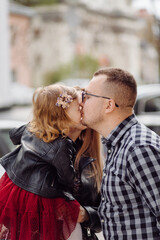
(130, 205)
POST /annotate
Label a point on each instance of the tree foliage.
(31, 3)
(80, 67)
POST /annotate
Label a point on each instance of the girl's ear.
(110, 105)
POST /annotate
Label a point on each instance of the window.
(13, 76)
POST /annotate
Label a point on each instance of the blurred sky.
(153, 6)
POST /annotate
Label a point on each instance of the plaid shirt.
(130, 205)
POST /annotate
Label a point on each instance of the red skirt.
(27, 216)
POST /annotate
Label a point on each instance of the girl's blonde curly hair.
(49, 121)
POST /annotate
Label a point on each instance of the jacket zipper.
(88, 232)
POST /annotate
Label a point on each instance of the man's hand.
(83, 215)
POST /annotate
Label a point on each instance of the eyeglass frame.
(93, 95)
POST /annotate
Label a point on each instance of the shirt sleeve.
(144, 176)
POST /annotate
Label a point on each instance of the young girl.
(36, 191)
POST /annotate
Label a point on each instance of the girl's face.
(74, 113)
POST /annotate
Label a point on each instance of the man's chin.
(83, 127)
(84, 123)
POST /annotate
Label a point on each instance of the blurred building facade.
(4, 55)
(20, 24)
(47, 37)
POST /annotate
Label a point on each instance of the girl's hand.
(83, 215)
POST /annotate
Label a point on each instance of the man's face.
(93, 107)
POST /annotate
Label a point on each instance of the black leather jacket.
(45, 162)
(89, 198)
(45, 169)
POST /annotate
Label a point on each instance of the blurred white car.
(147, 107)
(6, 144)
(148, 100)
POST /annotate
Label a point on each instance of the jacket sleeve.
(94, 222)
(88, 196)
(63, 162)
(16, 134)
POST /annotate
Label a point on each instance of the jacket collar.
(84, 161)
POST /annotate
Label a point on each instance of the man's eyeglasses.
(90, 94)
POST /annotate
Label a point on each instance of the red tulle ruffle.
(26, 216)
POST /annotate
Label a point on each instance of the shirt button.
(109, 151)
(104, 174)
(102, 220)
(103, 199)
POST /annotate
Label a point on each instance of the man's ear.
(110, 105)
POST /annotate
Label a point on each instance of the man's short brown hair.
(120, 85)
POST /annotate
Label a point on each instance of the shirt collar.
(116, 134)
